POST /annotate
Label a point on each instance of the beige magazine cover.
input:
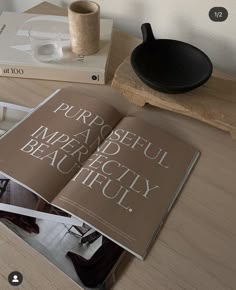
(117, 173)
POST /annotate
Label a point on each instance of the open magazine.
(117, 173)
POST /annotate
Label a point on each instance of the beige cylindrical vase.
(84, 27)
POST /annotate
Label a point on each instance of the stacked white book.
(16, 58)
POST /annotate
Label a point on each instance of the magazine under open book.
(117, 173)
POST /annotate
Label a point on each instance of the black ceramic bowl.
(169, 66)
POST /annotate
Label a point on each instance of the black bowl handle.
(147, 32)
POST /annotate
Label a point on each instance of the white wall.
(185, 20)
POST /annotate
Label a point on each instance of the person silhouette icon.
(15, 279)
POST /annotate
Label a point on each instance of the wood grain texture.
(213, 103)
(196, 249)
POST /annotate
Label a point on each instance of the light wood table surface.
(196, 248)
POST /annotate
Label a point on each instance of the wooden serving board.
(213, 103)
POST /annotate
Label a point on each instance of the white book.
(16, 58)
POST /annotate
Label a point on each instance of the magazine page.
(47, 148)
(127, 186)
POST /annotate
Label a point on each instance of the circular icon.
(15, 278)
(218, 14)
(94, 77)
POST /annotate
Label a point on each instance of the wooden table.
(196, 249)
